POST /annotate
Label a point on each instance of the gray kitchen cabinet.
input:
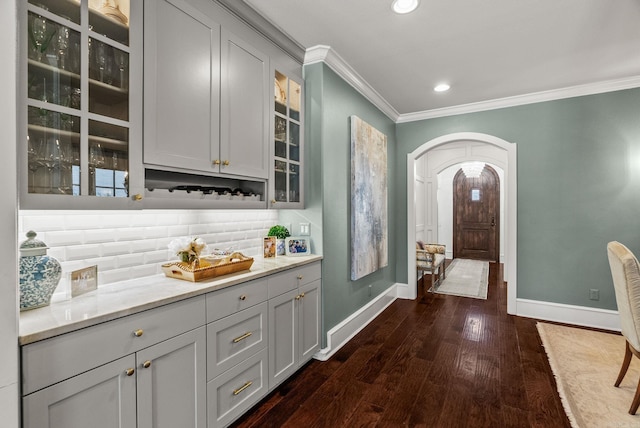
(294, 322)
(171, 386)
(80, 115)
(206, 93)
(286, 179)
(244, 123)
(182, 89)
(158, 380)
(104, 397)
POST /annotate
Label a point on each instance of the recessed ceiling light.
(404, 6)
(442, 87)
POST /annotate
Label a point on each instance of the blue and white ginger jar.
(39, 273)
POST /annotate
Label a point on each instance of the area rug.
(466, 278)
(585, 364)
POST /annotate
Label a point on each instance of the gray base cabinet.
(158, 379)
(294, 322)
(202, 361)
(73, 403)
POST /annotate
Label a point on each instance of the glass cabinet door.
(287, 179)
(77, 97)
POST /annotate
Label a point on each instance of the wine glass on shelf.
(39, 35)
(96, 161)
(33, 162)
(50, 157)
(101, 58)
(122, 59)
(63, 45)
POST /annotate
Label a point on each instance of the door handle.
(493, 221)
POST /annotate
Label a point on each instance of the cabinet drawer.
(288, 280)
(234, 338)
(53, 360)
(235, 298)
(233, 392)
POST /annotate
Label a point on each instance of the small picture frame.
(84, 280)
(269, 247)
(298, 246)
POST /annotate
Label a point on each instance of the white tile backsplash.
(133, 244)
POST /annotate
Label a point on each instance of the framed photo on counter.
(298, 246)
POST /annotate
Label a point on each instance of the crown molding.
(536, 97)
(326, 54)
(256, 21)
(323, 53)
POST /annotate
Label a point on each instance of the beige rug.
(586, 364)
(466, 278)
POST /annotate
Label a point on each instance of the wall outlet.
(369, 290)
(305, 229)
(594, 294)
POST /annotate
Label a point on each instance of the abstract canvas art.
(369, 248)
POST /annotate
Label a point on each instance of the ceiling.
(486, 50)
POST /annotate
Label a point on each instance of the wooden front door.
(476, 216)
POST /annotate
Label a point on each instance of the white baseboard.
(406, 292)
(578, 315)
(339, 335)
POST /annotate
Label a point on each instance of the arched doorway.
(510, 197)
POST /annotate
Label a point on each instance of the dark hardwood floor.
(439, 361)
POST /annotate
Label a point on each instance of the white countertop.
(128, 297)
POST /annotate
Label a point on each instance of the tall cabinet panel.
(182, 96)
(286, 187)
(80, 124)
(244, 115)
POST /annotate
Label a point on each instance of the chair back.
(625, 272)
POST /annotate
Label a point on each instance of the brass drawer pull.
(146, 364)
(242, 388)
(243, 297)
(244, 336)
(129, 372)
(138, 333)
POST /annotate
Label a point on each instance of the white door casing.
(463, 141)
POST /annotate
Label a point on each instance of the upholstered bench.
(430, 259)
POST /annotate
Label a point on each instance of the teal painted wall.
(578, 188)
(329, 102)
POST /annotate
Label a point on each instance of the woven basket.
(208, 267)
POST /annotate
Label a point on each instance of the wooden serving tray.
(208, 268)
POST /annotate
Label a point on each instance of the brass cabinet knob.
(138, 333)
(146, 364)
(225, 163)
(137, 197)
(129, 372)
(216, 162)
(302, 296)
(298, 297)
(243, 297)
(273, 201)
(300, 277)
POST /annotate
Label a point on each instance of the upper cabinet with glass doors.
(286, 181)
(82, 116)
